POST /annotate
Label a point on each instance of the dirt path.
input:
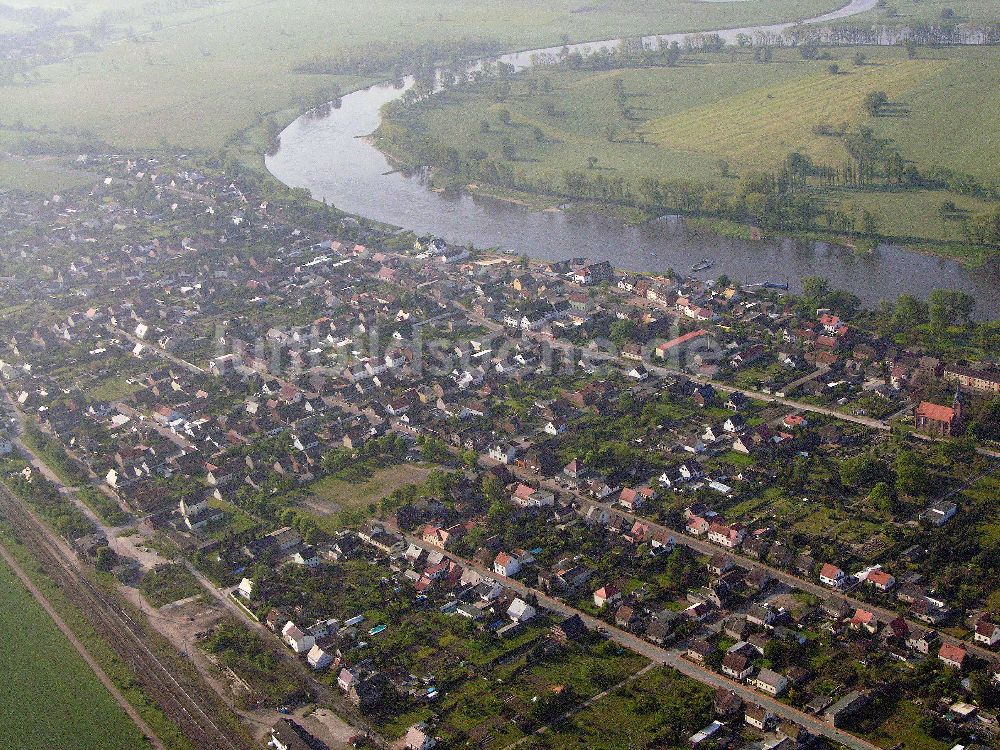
(81, 649)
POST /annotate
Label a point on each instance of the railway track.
(182, 702)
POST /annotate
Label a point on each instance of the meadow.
(714, 117)
(205, 75)
(51, 697)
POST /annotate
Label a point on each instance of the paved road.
(670, 657)
(82, 650)
(705, 547)
(158, 350)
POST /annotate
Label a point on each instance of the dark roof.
(295, 737)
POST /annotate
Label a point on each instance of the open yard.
(51, 699)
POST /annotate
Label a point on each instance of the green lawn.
(197, 76)
(51, 699)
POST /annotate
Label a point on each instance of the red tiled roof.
(935, 412)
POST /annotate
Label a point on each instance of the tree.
(875, 102)
(908, 313)
(105, 560)
(860, 58)
(947, 307)
(493, 489)
(911, 476)
(911, 48)
(815, 288)
(833, 69)
(882, 497)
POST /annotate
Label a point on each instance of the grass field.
(196, 76)
(51, 698)
(42, 178)
(340, 495)
(721, 107)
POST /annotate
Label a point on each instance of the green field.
(198, 75)
(714, 107)
(51, 697)
(340, 494)
(40, 177)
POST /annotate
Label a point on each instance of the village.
(469, 499)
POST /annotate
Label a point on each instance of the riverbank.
(630, 216)
(602, 137)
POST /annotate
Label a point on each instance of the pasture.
(716, 116)
(203, 75)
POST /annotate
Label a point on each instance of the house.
(986, 632)
(939, 513)
(953, 656)
(880, 580)
(840, 712)
(737, 665)
(318, 658)
(725, 535)
(761, 614)
(417, 738)
(831, 575)
(981, 380)
(288, 735)
(770, 682)
(699, 649)
(705, 734)
(634, 499)
(696, 525)
(864, 620)
(626, 617)
(923, 641)
(504, 453)
(506, 565)
(246, 588)
(520, 611)
(570, 630)
(298, 641)
(606, 595)
(938, 421)
(758, 717)
(529, 497)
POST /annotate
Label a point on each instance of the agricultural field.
(52, 698)
(201, 74)
(715, 117)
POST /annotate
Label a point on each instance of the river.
(330, 157)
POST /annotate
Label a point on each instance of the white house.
(505, 453)
(318, 658)
(520, 611)
(245, 589)
(831, 575)
(987, 633)
(298, 641)
(770, 682)
(506, 565)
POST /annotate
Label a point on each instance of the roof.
(951, 653)
(830, 571)
(935, 412)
